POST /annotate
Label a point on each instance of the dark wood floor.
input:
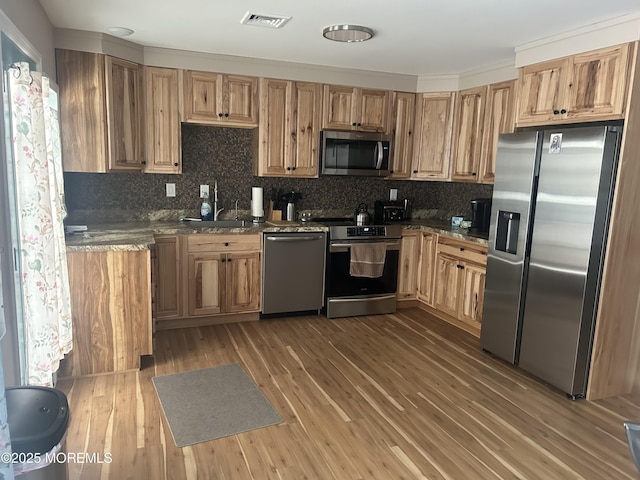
(380, 397)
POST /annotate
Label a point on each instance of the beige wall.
(31, 20)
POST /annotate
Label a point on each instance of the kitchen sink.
(221, 224)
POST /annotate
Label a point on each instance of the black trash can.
(38, 418)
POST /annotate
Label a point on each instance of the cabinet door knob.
(474, 174)
(223, 260)
(288, 168)
(144, 162)
(220, 114)
(563, 111)
(556, 112)
(415, 171)
(226, 244)
(460, 266)
(175, 164)
(462, 249)
(359, 124)
(293, 168)
(226, 115)
(354, 124)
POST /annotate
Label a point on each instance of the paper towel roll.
(257, 205)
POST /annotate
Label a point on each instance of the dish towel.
(367, 259)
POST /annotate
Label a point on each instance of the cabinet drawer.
(471, 252)
(215, 242)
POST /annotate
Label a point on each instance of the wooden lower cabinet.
(472, 292)
(206, 275)
(165, 275)
(446, 275)
(428, 243)
(111, 311)
(459, 280)
(408, 267)
(223, 283)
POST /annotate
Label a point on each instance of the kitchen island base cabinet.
(111, 311)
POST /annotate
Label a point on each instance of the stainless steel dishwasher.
(293, 268)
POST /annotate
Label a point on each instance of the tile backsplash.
(226, 155)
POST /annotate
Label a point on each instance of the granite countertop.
(139, 235)
(443, 227)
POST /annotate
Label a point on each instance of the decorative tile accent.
(226, 155)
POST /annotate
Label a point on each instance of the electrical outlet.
(393, 194)
(204, 191)
(171, 189)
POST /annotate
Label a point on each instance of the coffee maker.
(480, 215)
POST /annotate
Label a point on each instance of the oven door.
(341, 284)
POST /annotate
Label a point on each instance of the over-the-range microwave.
(355, 153)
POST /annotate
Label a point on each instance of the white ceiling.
(414, 37)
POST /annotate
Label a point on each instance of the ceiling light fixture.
(347, 33)
(119, 31)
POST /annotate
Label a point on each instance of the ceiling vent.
(260, 20)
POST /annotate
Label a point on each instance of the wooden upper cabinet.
(584, 87)
(597, 83)
(123, 81)
(404, 106)
(163, 120)
(305, 128)
(351, 108)
(540, 91)
(101, 117)
(499, 118)
(468, 126)
(217, 99)
(432, 139)
(274, 145)
(289, 128)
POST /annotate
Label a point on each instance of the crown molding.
(165, 57)
(619, 30)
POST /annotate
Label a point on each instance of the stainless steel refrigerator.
(549, 220)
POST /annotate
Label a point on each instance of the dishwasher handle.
(305, 238)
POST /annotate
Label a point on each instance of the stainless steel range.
(348, 294)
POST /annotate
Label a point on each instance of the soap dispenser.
(206, 210)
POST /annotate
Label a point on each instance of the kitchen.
(94, 194)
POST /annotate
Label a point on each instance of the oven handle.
(360, 299)
(390, 246)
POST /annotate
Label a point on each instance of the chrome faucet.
(237, 209)
(216, 211)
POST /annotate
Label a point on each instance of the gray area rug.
(216, 402)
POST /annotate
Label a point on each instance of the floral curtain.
(46, 326)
